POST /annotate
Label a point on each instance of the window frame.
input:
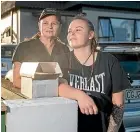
(109, 18)
(110, 27)
(136, 30)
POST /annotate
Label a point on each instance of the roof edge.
(7, 6)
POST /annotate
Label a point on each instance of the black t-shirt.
(35, 51)
(108, 77)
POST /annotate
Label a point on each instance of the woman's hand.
(86, 104)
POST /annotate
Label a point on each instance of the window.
(7, 51)
(105, 28)
(120, 30)
(123, 29)
(137, 31)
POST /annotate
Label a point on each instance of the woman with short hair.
(43, 47)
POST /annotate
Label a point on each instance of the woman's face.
(49, 26)
(79, 34)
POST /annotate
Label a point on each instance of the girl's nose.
(72, 32)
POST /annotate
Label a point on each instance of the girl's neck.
(84, 55)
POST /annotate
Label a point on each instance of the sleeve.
(17, 55)
(119, 78)
(63, 63)
(66, 49)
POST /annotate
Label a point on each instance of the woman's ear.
(91, 34)
(39, 26)
(59, 30)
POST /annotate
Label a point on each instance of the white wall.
(6, 22)
(15, 22)
(54, 114)
(94, 13)
(26, 21)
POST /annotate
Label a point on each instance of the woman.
(43, 47)
(95, 80)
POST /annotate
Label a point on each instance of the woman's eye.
(54, 23)
(45, 23)
(69, 31)
(78, 29)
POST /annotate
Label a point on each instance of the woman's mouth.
(49, 31)
(71, 39)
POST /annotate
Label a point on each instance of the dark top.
(108, 77)
(35, 51)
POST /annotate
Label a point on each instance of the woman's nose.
(50, 25)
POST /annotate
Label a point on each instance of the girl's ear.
(91, 34)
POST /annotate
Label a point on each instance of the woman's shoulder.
(28, 42)
(63, 59)
(61, 45)
(66, 48)
(63, 56)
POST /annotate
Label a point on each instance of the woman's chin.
(49, 36)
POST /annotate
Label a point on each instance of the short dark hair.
(48, 12)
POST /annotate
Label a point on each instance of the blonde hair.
(37, 35)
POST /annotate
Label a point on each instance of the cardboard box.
(55, 114)
(40, 79)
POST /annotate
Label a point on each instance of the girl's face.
(79, 34)
(49, 26)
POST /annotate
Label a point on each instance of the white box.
(40, 79)
(55, 114)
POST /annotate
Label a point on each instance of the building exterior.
(112, 25)
(113, 21)
(116, 21)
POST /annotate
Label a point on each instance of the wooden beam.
(9, 92)
(9, 95)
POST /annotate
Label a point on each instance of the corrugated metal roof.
(65, 5)
(9, 5)
(125, 5)
(40, 4)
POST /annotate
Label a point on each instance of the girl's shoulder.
(106, 56)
